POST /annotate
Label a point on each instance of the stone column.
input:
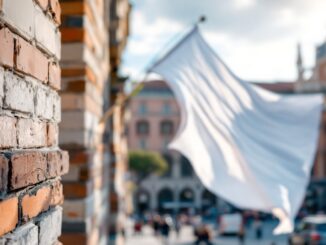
(85, 69)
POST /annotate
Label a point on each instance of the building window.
(143, 109)
(142, 144)
(142, 128)
(186, 168)
(165, 143)
(166, 109)
(166, 128)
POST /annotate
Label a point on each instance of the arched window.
(143, 199)
(208, 200)
(165, 200)
(186, 168)
(142, 127)
(166, 127)
(187, 196)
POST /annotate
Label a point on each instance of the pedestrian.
(137, 227)
(258, 228)
(203, 235)
(165, 230)
(241, 234)
(156, 225)
(177, 225)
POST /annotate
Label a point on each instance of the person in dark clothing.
(203, 235)
(165, 231)
(156, 224)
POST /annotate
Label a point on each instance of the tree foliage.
(144, 163)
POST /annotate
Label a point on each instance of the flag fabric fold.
(248, 145)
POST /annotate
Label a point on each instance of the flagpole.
(140, 85)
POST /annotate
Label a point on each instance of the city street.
(186, 237)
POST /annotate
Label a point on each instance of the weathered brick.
(77, 190)
(27, 168)
(32, 167)
(31, 133)
(2, 83)
(41, 199)
(44, 102)
(8, 132)
(56, 107)
(19, 94)
(46, 33)
(75, 238)
(8, 215)
(31, 60)
(52, 134)
(50, 226)
(57, 163)
(31, 21)
(4, 170)
(79, 120)
(6, 47)
(54, 75)
(23, 235)
(56, 10)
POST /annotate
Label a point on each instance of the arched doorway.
(186, 200)
(165, 201)
(142, 201)
(209, 203)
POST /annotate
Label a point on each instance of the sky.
(256, 38)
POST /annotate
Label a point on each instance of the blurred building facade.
(155, 117)
(314, 81)
(120, 192)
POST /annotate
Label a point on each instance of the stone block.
(31, 133)
(24, 235)
(50, 226)
(8, 132)
(19, 94)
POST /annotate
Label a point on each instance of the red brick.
(57, 163)
(52, 134)
(40, 200)
(8, 215)
(27, 168)
(56, 10)
(43, 4)
(8, 132)
(4, 170)
(77, 190)
(32, 167)
(54, 75)
(30, 60)
(6, 47)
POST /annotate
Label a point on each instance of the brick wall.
(31, 162)
(84, 88)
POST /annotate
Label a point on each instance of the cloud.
(256, 38)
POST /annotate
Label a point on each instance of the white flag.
(250, 146)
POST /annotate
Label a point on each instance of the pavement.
(186, 237)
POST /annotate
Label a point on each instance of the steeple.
(300, 68)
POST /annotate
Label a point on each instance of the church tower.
(300, 68)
